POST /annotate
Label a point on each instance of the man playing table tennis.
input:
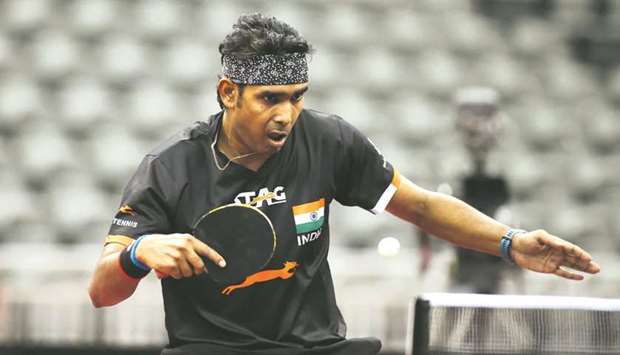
(265, 148)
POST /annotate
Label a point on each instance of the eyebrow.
(301, 91)
(281, 94)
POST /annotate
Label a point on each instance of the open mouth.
(277, 137)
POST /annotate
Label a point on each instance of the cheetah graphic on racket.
(263, 276)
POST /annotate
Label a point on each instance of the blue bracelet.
(505, 244)
(132, 254)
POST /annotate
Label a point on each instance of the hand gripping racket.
(242, 234)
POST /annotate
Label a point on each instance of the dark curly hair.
(255, 34)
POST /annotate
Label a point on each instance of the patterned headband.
(268, 69)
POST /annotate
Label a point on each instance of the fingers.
(174, 255)
(593, 268)
(564, 246)
(574, 262)
(185, 270)
(187, 262)
(568, 275)
(195, 261)
(580, 265)
(183, 258)
(203, 249)
(572, 255)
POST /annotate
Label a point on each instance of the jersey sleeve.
(364, 177)
(146, 203)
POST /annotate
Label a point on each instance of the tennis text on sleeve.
(122, 222)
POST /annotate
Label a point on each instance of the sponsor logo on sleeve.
(121, 222)
(127, 210)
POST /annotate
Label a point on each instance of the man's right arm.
(177, 255)
(110, 284)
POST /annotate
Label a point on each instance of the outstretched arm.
(455, 221)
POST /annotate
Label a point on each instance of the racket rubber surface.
(243, 235)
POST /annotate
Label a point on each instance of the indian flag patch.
(309, 216)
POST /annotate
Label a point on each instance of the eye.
(298, 97)
(270, 99)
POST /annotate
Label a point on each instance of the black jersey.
(324, 158)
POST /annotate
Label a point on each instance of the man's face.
(264, 115)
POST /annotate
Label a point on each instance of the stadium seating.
(97, 90)
(24, 17)
(115, 155)
(20, 100)
(43, 151)
(78, 208)
(151, 108)
(87, 87)
(614, 85)
(18, 205)
(83, 103)
(54, 55)
(6, 53)
(159, 19)
(187, 62)
(122, 58)
(92, 18)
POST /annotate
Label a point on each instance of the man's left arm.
(453, 220)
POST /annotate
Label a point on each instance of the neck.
(233, 149)
(226, 142)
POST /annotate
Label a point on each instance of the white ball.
(388, 246)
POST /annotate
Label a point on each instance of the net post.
(421, 330)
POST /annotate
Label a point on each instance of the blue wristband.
(505, 244)
(132, 255)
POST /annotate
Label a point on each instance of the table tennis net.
(492, 324)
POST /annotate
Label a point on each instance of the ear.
(228, 92)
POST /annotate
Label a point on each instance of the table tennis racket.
(242, 234)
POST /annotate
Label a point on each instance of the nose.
(284, 115)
